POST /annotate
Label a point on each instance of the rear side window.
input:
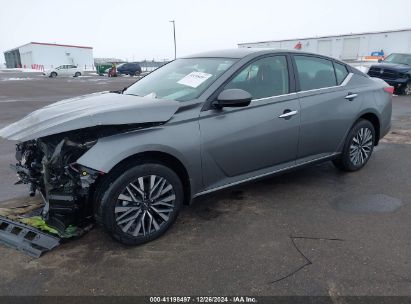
(341, 72)
(314, 73)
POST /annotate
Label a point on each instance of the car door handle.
(288, 113)
(351, 96)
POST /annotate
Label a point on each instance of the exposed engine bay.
(48, 165)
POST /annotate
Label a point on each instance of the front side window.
(314, 73)
(262, 78)
(183, 79)
(341, 72)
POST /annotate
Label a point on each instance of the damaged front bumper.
(26, 238)
(48, 166)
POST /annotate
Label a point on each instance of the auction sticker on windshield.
(194, 79)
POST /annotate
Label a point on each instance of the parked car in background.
(131, 68)
(395, 70)
(103, 69)
(64, 70)
(199, 124)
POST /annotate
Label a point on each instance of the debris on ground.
(22, 227)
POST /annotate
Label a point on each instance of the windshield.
(181, 79)
(399, 58)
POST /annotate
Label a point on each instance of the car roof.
(240, 53)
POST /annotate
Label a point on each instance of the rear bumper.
(384, 131)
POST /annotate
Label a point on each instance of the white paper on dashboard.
(194, 79)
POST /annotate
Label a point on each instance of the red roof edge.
(66, 45)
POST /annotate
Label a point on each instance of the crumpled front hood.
(88, 111)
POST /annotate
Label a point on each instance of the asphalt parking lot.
(315, 231)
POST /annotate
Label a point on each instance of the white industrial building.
(346, 47)
(41, 56)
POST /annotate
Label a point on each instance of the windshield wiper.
(120, 91)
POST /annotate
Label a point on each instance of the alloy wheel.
(407, 89)
(145, 205)
(361, 146)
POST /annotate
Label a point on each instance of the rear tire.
(77, 74)
(140, 204)
(358, 147)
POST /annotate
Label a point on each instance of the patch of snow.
(21, 70)
(14, 78)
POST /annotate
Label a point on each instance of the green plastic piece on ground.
(38, 222)
(70, 231)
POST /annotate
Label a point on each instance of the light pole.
(174, 32)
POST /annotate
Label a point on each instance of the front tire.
(141, 204)
(358, 147)
(77, 74)
(53, 74)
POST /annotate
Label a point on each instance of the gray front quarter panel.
(179, 138)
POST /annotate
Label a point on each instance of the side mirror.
(233, 98)
(379, 60)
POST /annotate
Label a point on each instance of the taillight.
(389, 90)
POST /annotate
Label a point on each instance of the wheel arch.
(375, 120)
(160, 157)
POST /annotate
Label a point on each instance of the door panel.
(72, 71)
(326, 114)
(325, 118)
(240, 141)
(64, 70)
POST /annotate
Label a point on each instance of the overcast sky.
(137, 30)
